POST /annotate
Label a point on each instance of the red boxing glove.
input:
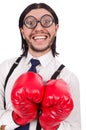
(26, 94)
(57, 104)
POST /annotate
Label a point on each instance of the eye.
(46, 20)
(30, 22)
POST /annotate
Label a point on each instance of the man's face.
(39, 38)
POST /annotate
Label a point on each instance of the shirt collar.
(44, 60)
(29, 57)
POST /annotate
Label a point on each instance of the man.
(38, 26)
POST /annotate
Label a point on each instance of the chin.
(41, 49)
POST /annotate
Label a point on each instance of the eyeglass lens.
(31, 22)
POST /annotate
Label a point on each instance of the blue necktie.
(34, 63)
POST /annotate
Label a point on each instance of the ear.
(56, 27)
(22, 32)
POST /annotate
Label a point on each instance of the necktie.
(34, 63)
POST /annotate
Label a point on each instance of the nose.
(38, 26)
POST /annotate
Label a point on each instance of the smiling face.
(39, 39)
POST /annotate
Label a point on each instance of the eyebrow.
(40, 17)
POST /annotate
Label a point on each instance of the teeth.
(39, 37)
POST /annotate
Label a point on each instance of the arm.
(5, 115)
(73, 122)
(57, 104)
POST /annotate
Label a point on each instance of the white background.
(71, 36)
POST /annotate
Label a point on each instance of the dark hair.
(22, 16)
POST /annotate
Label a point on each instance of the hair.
(25, 46)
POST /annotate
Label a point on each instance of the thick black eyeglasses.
(45, 21)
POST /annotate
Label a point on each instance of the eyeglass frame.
(39, 21)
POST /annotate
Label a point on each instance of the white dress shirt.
(49, 65)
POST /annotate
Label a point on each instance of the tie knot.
(34, 62)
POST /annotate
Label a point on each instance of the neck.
(38, 54)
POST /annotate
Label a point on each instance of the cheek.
(52, 31)
(26, 32)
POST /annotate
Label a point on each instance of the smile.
(39, 37)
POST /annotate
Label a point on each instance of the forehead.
(38, 12)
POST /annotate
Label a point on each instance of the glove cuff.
(18, 120)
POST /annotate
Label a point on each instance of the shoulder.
(69, 76)
(71, 79)
(6, 65)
